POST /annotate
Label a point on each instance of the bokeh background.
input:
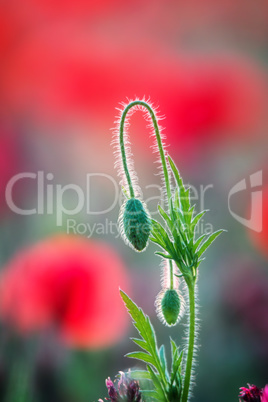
(65, 67)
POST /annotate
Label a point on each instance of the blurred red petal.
(68, 282)
(265, 394)
(64, 72)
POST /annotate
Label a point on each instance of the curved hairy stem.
(159, 143)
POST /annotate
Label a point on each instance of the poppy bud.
(136, 223)
(170, 306)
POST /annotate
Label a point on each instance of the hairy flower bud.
(135, 223)
(170, 306)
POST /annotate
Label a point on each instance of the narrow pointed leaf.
(185, 203)
(157, 241)
(189, 215)
(176, 173)
(178, 362)
(165, 217)
(163, 360)
(195, 221)
(174, 351)
(163, 255)
(177, 199)
(176, 368)
(158, 385)
(198, 242)
(159, 233)
(208, 242)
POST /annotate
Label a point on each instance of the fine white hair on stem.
(127, 144)
(186, 337)
(165, 285)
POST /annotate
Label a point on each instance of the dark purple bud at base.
(127, 390)
(250, 394)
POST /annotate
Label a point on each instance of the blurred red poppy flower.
(260, 239)
(69, 283)
(65, 71)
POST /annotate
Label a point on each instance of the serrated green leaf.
(141, 343)
(145, 328)
(208, 242)
(145, 357)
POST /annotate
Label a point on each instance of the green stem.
(159, 143)
(191, 341)
(171, 274)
